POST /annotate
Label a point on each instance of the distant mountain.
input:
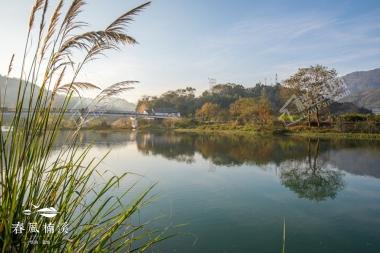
(347, 107)
(363, 80)
(364, 87)
(115, 104)
(369, 99)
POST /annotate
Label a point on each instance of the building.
(376, 111)
(166, 112)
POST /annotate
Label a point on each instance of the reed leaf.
(36, 173)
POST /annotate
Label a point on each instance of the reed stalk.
(89, 218)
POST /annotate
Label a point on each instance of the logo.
(298, 107)
(35, 230)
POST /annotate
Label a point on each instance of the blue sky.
(182, 43)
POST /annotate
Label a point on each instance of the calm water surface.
(234, 193)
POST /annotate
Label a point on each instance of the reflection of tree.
(236, 150)
(217, 149)
(169, 145)
(224, 150)
(312, 178)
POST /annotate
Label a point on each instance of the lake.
(234, 193)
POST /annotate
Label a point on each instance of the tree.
(182, 100)
(208, 112)
(264, 111)
(223, 94)
(249, 109)
(143, 104)
(244, 110)
(311, 84)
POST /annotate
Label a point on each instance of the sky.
(185, 42)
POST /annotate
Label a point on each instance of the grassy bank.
(186, 125)
(278, 130)
(311, 134)
(335, 135)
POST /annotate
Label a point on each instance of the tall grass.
(283, 237)
(30, 177)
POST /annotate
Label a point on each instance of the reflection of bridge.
(98, 113)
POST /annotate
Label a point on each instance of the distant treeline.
(222, 95)
(233, 102)
(260, 104)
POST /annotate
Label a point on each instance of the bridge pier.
(134, 122)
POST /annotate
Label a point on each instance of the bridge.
(376, 111)
(98, 113)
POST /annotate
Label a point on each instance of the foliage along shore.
(311, 133)
(356, 129)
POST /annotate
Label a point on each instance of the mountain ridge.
(115, 103)
(364, 87)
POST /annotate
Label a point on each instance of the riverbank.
(336, 135)
(223, 128)
(330, 134)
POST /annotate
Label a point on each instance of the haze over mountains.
(116, 104)
(365, 88)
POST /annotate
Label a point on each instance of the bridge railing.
(98, 112)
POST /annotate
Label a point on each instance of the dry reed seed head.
(94, 43)
(116, 89)
(68, 23)
(32, 158)
(36, 7)
(52, 26)
(42, 24)
(59, 80)
(82, 41)
(97, 41)
(121, 22)
(119, 85)
(10, 66)
(76, 87)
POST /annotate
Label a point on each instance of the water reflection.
(314, 177)
(229, 150)
(223, 150)
(108, 139)
(171, 146)
(313, 169)
(256, 183)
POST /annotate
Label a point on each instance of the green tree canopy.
(208, 112)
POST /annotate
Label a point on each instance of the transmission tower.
(211, 82)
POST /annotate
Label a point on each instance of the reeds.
(283, 237)
(31, 178)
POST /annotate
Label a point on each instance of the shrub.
(122, 123)
(353, 117)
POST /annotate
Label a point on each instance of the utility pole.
(211, 82)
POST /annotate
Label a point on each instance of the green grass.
(250, 129)
(304, 133)
(332, 134)
(283, 237)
